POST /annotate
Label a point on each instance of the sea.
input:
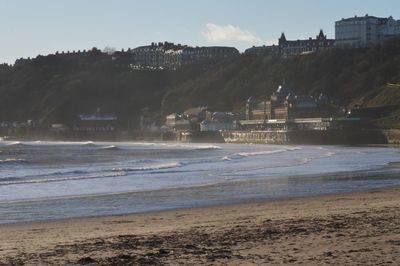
(48, 180)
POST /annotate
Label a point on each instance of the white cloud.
(220, 34)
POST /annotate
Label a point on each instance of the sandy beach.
(349, 229)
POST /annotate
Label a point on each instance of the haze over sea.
(54, 180)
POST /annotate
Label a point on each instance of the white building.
(364, 31)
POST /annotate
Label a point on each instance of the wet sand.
(349, 229)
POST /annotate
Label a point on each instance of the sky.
(32, 27)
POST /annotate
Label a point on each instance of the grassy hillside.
(388, 95)
(56, 88)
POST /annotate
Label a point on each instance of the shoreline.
(233, 234)
(237, 203)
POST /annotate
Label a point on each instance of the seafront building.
(355, 32)
(263, 50)
(188, 120)
(287, 48)
(283, 118)
(283, 106)
(172, 56)
(97, 122)
(192, 54)
(310, 45)
(366, 31)
(158, 55)
(201, 119)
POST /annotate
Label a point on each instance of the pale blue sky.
(32, 27)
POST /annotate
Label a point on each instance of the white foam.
(226, 158)
(329, 154)
(148, 167)
(110, 147)
(88, 143)
(13, 160)
(259, 153)
(192, 146)
(205, 147)
(305, 161)
(14, 143)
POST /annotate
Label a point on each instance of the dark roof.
(195, 110)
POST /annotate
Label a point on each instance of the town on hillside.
(283, 117)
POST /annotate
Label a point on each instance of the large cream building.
(366, 31)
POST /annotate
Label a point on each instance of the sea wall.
(265, 137)
(339, 136)
(354, 136)
(349, 136)
(392, 135)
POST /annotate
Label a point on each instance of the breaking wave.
(75, 175)
(16, 144)
(258, 153)
(89, 144)
(148, 167)
(179, 145)
(42, 175)
(14, 181)
(110, 148)
(13, 161)
(210, 147)
(226, 158)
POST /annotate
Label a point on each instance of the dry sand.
(350, 229)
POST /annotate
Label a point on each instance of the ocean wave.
(16, 144)
(73, 172)
(49, 174)
(8, 179)
(139, 161)
(192, 147)
(88, 144)
(258, 153)
(179, 145)
(13, 161)
(302, 161)
(226, 158)
(13, 181)
(329, 154)
(110, 148)
(209, 147)
(76, 175)
(148, 167)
